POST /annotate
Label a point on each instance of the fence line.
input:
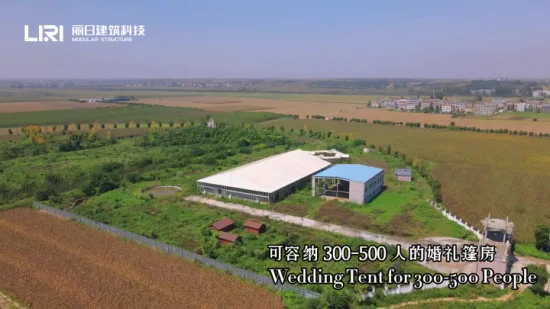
(456, 219)
(261, 279)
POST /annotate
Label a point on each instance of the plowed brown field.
(47, 262)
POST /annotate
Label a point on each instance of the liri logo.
(45, 33)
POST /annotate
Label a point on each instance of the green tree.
(337, 300)
(90, 125)
(103, 126)
(127, 124)
(542, 236)
(478, 98)
(388, 149)
(115, 126)
(10, 132)
(171, 124)
(65, 127)
(535, 119)
(78, 127)
(138, 125)
(148, 124)
(542, 277)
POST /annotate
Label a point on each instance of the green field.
(25, 95)
(527, 299)
(133, 112)
(480, 173)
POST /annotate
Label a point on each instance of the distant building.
(402, 104)
(485, 92)
(520, 107)
(424, 105)
(545, 108)
(411, 106)
(403, 174)
(538, 94)
(391, 104)
(484, 109)
(458, 106)
(211, 123)
(446, 108)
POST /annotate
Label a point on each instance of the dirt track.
(50, 263)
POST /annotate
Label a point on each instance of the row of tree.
(453, 126)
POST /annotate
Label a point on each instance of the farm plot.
(19, 107)
(319, 105)
(496, 122)
(49, 263)
(280, 106)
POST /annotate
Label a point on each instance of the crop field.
(19, 107)
(104, 115)
(480, 173)
(50, 263)
(330, 105)
(510, 121)
(280, 106)
(349, 107)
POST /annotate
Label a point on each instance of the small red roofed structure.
(228, 238)
(224, 225)
(254, 227)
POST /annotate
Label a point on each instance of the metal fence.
(179, 252)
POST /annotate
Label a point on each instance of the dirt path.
(452, 299)
(346, 231)
(7, 303)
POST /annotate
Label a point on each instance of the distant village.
(459, 107)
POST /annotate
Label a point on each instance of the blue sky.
(284, 39)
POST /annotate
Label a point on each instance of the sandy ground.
(47, 105)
